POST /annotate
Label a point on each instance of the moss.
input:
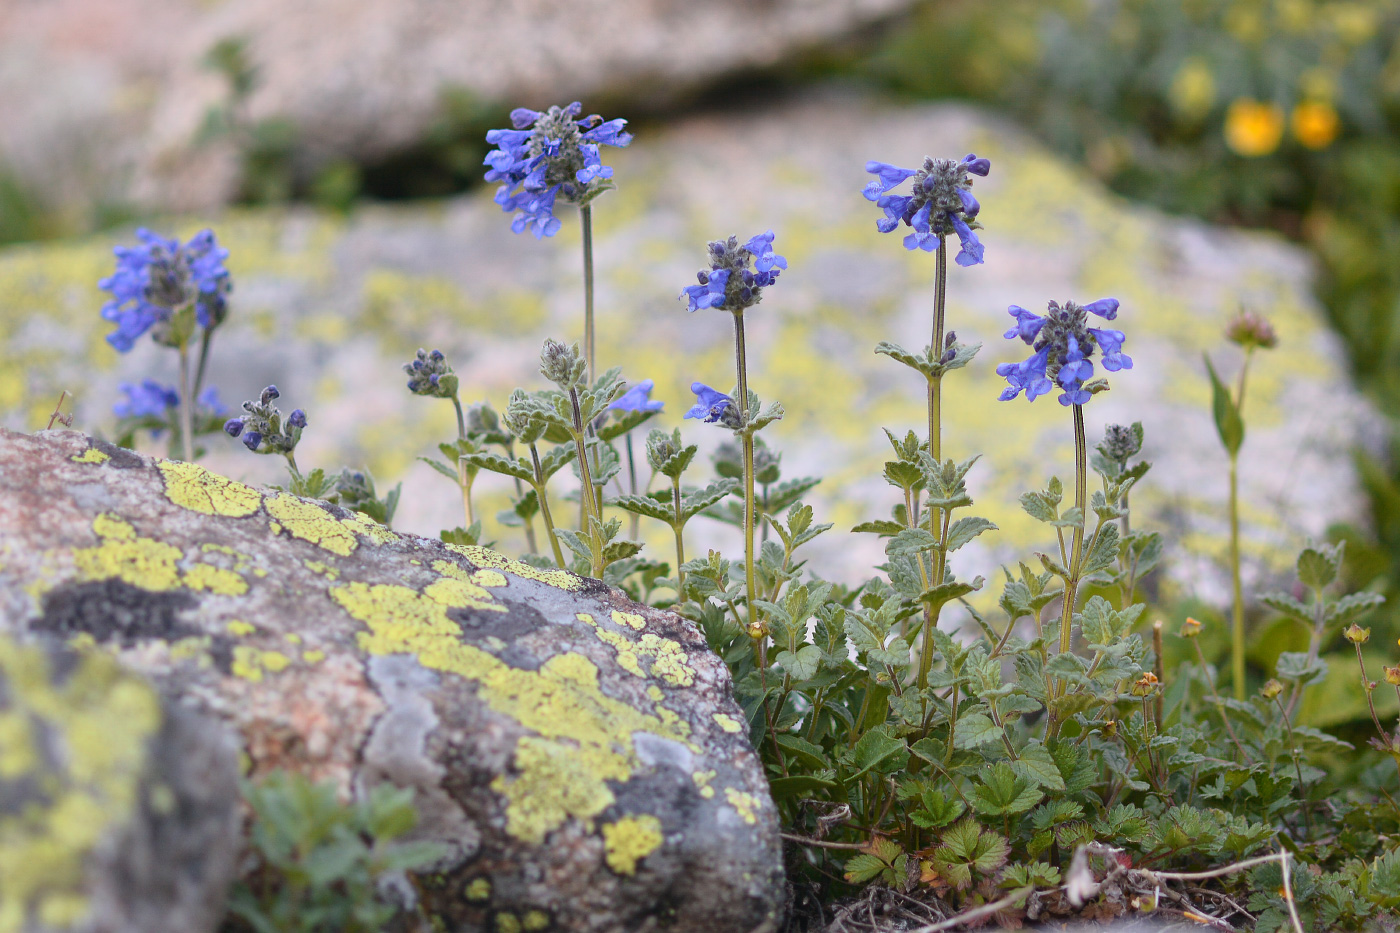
(507, 923)
(192, 487)
(582, 737)
(535, 920)
(95, 723)
(629, 840)
(478, 889)
(91, 455)
(744, 803)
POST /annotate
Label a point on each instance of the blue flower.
(638, 398)
(262, 427)
(155, 279)
(1063, 344)
(550, 154)
(711, 405)
(209, 400)
(150, 399)
(730, 284)
(940, 203)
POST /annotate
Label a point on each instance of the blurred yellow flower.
(1192, 91)
(1253, 128)
(1315, 124)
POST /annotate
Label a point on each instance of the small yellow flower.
(1146, 685)
(1392, 676)
(1253, 128)
(1357, 635)
(1271, 689)
(1190, 628)
(1315, 124)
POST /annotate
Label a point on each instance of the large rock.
(118, 810)
(579, 753)
(328, 308)
(103, 103)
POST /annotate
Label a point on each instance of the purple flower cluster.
(1064, 344)
(940, 203)
(150, 399)
(155, 279)
(729, 284)
(262, 425)
(637, 398)
(548, 155)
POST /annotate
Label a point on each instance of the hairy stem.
(741, 365)
(586, 218)
(679, 527)
(1237, 611)
(461, 418)
(186, 405)
(539, 485)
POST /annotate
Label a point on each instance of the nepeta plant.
(172, 291)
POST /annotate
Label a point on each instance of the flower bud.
(1190, 628)
(1249, 330)
(1146, 685)
(560, 364)
(1357, 635)
(1392, 676)
(1271, 689)
(661, 447)
(1110, 728)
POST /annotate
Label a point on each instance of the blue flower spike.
(940, 203)
(1064, 344)
(159, 277)
(549, 155)
(737, 274)
(638, 398)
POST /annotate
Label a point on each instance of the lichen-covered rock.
(118, 811)
(579, 752)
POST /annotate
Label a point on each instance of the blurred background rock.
(290, 127)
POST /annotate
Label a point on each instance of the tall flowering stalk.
(171, 290)
(1251, 332)
(734, 283)
(1064, 346)
(431, 376)
(551, 155)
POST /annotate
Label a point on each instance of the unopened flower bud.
(233, 427)
(1392, 676)
(269, 394)
(661, 447)
(1249, 329)
(1121, 442)
(430, 375)
(1357, 635)
(1110, 728)
(297, 419)
(560, 364)
(1190, 628)
(1271, 689)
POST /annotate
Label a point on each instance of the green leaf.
(910, 541)
(883, 527)
(1353, 606)
(1318, 566)
(1228, 422)
(965, 529)
(811, 755)
(935, 596)
(1289, 606)
(1104, 553)
(878, 751)
(507, 466)
(801, 664)
(643, 505)
(442, 468)
(975, 730)
(623, 421)
(1035, 764)
(1003, 792)
(863, 867)
(556, 458)
(697, 501)
(800, 785)
(938, 809)
(1296, 665)
(903, 475)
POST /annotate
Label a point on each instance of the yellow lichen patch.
(363, 524)
(630, 840)
(478, 889)
(325, 570)
(238, 628)
(489, 578)
(744, 803)
(215, 580)
(582, 737)
(312, 523)
(313, 657)
(535, 920)
(142, 562)
(702, 783)
(478, 577)
(655, 693)
(192, 487)
(250, 663)
(630, 619)
(194, 648)
(485, 557)
(99, 719)
(292, 638)
(728, 723)
(668, 660)
(507, 923)
(91, 455)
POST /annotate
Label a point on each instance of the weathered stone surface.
(104, 102)
(328, 308)
(579, 752)
(118, 810)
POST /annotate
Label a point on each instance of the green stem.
(591, 506)
(935, 388)
(539, 485)
(741, 365)
(204, 342)
(586, 218)
(186, 405)
(461, 419)
(636, 523)
(1081, 480)
(679, 529)
(1237, 614)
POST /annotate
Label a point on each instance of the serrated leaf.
(910, 541)
(1035, 764)
(801, 664)
(442, 468)
(1289, 606)
(555, 459)
(878, 751)
(643, 505)
(935, 596)
(623, 421)
(1318, 566)
(1003, 792)
(965, 529)
(883, 527)
(975, 730)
